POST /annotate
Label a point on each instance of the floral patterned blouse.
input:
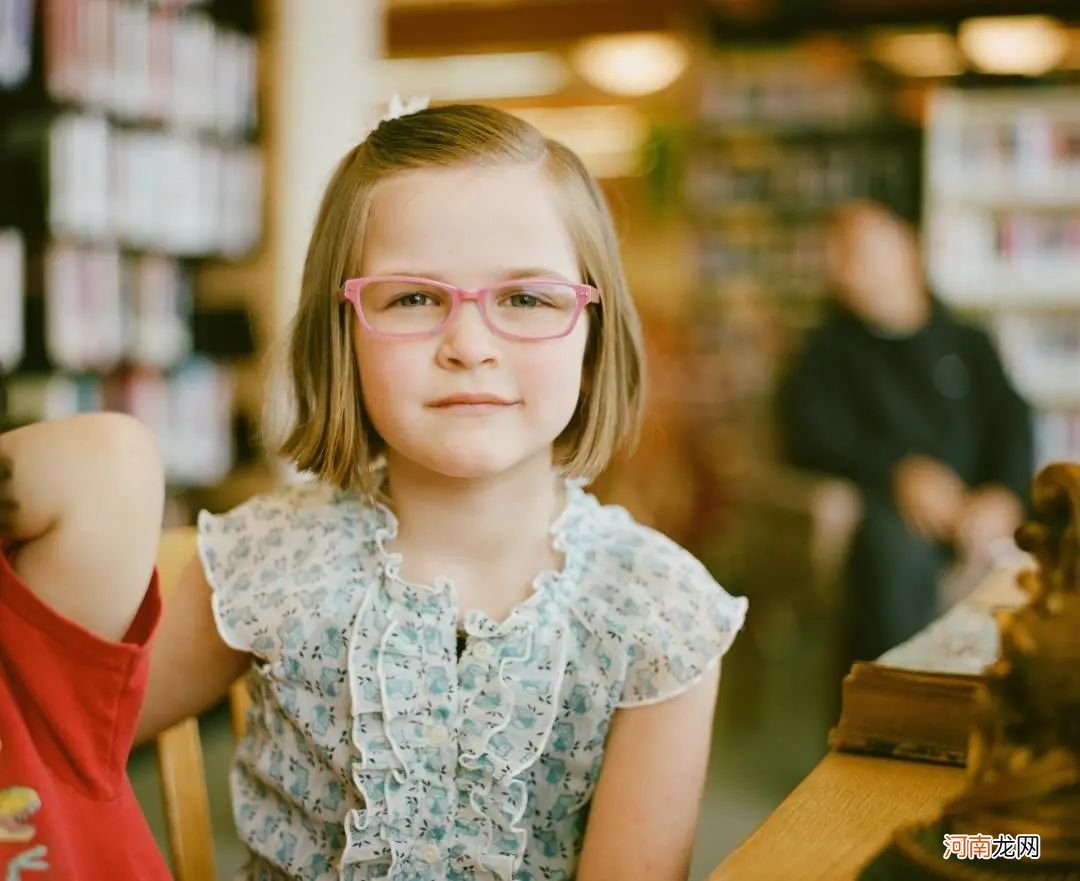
(374, 752)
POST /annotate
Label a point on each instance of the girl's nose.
(468, 341)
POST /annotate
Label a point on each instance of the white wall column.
(325, 56)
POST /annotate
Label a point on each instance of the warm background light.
(932, 53)
(607, 138)
(1029, 45)
(631, 64)
(474, 77)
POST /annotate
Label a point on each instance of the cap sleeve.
(682, 622)
(276, 561)
(240, 551)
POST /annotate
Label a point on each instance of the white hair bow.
(396, 108)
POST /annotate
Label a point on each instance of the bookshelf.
(1002, 190)
(130, 158)
(783, 134)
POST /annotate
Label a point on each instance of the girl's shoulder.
(302, 546)
(650, 601)
(275, 528)
(622, 556)
(294, 505)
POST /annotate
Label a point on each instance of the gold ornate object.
(1024, 755)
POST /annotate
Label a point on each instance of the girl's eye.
(525, 300)
(416, 298)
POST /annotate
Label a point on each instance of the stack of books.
(920, 699)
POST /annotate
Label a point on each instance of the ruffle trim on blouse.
(408, 817)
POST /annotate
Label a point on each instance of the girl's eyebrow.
(535, 273)
(508, 275)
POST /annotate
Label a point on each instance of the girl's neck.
(474, 520)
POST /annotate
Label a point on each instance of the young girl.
(462, 666)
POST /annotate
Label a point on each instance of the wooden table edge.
(838, 817)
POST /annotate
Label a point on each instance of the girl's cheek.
(387, 364)
(557, 367)
(555, 379)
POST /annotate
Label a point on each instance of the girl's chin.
(477, 463)
(471, 468)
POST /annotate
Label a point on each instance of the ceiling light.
(1023, 44)
(919, 53)
(631, 64)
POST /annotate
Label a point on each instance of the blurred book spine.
(1003, 224)
(12, 273)
(783, 137)
(16, 35)
(103, 308)
(128, 153)
(141, 61)
(189, 410)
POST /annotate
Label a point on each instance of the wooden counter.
(833, 822)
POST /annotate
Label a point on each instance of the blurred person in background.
(896, 394)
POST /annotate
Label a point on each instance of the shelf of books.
(129, 157)
(784, 134)
(1002, 197)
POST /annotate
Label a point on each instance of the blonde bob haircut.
(330, 434)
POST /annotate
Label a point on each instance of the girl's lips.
(476, 408)
(471, 400)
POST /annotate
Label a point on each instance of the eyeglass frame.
(351, 289)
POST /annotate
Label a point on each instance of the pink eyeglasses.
(407, 307)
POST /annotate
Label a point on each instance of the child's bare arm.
(85, 520)
(645, 808)
(191, 668)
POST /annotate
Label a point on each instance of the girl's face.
(471, 227)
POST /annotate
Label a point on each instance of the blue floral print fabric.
(373, 751)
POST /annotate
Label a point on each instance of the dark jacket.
(857, 401)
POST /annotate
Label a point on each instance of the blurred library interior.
(161, 162)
